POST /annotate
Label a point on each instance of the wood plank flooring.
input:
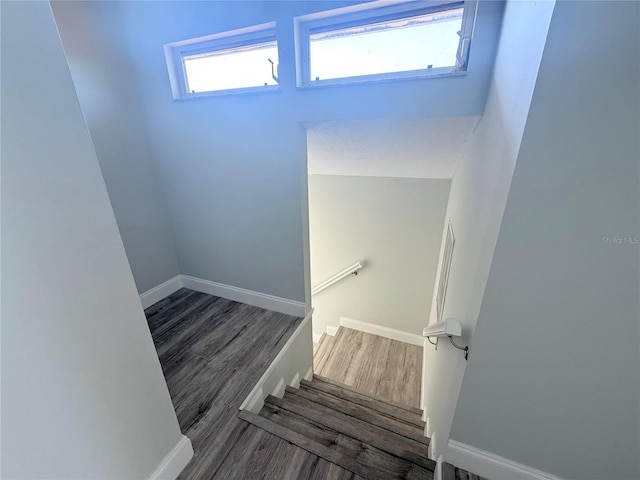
(389, 369)
(449, 472)
(372, 364)
(349, 432)
(212, 352)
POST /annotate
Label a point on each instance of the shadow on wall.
(395, 225)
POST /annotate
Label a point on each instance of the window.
(371, 42)
(236, 61)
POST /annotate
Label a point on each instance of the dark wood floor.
(372, 364)
(449, 472)
(365, 435)
(212, 352)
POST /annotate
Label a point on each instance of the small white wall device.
(449, 327)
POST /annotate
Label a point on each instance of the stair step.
(395, 410)
(313, 447)
(360, 412)
(390, 442)
(316, 345)
(385, 464)
(409, 408)
(449, 472)
(323, 352)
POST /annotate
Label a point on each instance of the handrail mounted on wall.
(351, 270)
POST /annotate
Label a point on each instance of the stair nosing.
(380, 405)
(311, 446)
(332, 340)
(419, 458)
(301, 425)
(387, 421)
(409, 408)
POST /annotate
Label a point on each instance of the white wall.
(476, 203)
(552, 380)
(112, 110)
(395, 226)
(408, 147)
(231, 166)
(83, 392)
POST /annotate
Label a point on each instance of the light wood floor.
(370, 363)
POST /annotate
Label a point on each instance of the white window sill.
(342, 82)
(230, 92)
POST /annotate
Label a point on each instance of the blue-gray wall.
(477, 199)
(232, 168)
(83, 394)
(552, 380)
(112, 109)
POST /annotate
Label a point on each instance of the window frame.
(445, 270)
(376, 12)
(176, 51)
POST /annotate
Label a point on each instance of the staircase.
(370, 436)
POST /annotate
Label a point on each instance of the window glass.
(414, 43)
(241, 67)
(236, 61)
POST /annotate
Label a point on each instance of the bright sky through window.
(412, 43)
(241, 67)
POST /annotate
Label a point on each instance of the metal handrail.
(351, 270)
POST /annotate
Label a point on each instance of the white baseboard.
(381, 331)
(175, 461)
(251, 401)
(317, 337)
(331, 330)
(161, 291)
(257, 299)
(279, 390)
(255, 402)
(309, 375)
(491, 466)
(295, 382)
(432, 451)
(437, 474)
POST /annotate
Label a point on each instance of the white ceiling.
(410, 148)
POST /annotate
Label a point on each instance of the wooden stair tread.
(385, 440)
(318, 449)
(386, 464)
(323, 351)
(398, 411)
(409, 408)
(360, 412)
(316, 345)
(449, 472)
